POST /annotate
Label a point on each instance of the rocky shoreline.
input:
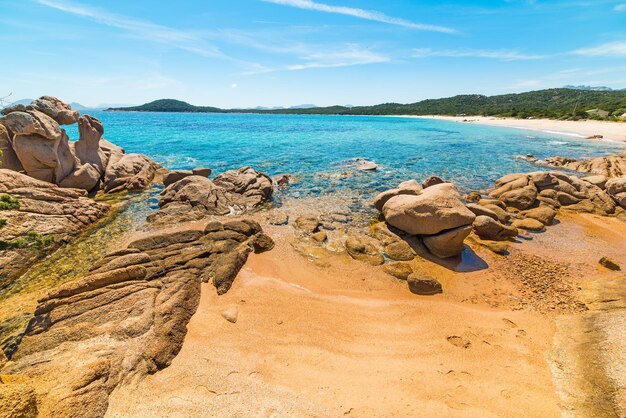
(127, 317)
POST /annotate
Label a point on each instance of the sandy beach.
(613, 131)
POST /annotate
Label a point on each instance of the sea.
(321, 151)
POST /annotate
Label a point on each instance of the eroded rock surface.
(39, 214)
(126, 319)
(195, 197)
(610, 166)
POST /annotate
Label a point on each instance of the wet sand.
(614, 131)
(351, 340)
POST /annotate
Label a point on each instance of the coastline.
(611, 131)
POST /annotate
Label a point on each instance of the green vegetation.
(553, 103)
(3, 222)
(170, 105)
(30, 240)
(9, 203)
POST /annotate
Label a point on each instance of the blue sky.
(239, 53)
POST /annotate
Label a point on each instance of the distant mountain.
(82, 109)
(551, 103)
(21, 102)
(593, 88)
(303, 106)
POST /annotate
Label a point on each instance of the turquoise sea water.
(318, 149)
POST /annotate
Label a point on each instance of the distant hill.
(551, 103)
(169, 105)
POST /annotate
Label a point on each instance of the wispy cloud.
(361, 14)
(352, 55)
(611, 49)
(620, 7)
(176, 38)
(499, 54)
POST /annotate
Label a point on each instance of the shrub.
(31, 240)
(3, 222)
(8, 203)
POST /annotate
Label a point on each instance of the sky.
(246, 53)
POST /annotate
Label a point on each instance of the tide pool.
(318, 149)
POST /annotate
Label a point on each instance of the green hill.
(552, 103)
(168, 105)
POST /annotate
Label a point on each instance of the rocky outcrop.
(131, 172)
(252, 188)
(610, 166)
(40, 145)
(435, 213)
(553, 189)
(488, 228)
(196, 197)
(616, 188)
(124, 320)
(40, 214)
(33, 142)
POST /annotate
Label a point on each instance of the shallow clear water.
(317, 149)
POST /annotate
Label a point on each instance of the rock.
(40, 145)
(423, 285)
(8, 158)
(43, 208)
(400, 251)
(609, 264)
(308, 224)
(203, 172)
(399, 270)
(231, 314)
(431, 181)
(61, 112)
(543, 179)
(17, 400)
(543, 214)
(566, 199)
(473, 197)
(282, 180)
(410, 187)
(85, 177)
(131, 172)
(498, 247)
(365, 165)
(448, 243)
(87, 148)
(436, 209)
(121, 322)
(490, 229)
(598, 180)
(529, 224)
(616, 188)
(488, 202)
(175, 175)
(479, 210)
(278, 218)
(361, 250)
(252, 187)
(611, 166)
(502, 215)
(522, 198)
(320, 236)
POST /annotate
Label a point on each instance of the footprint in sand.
(509, 323)
(459, 341)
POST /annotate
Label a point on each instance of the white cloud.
(347, 58)
(620, 7)
(611, 49)
(234, 86)
(361, 14)
(142, 29)
(499, 54)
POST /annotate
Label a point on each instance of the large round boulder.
(436, 209)
(448, 243)
(253, 187)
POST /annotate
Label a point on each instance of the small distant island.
(562, 103)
